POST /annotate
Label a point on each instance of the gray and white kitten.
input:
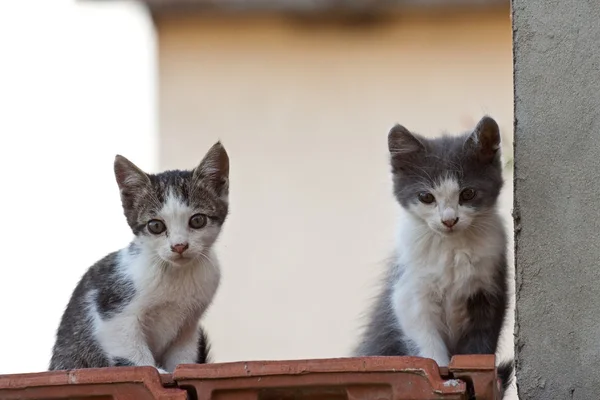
(142, 304)
(446, 291)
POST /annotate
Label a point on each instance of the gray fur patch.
(113, 292)
(75, 346)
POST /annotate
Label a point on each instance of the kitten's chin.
(180, 262)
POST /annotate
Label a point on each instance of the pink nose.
(180, 248)
(450, 222)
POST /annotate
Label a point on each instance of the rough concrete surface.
(557, 197)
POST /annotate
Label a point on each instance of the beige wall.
(304, 114)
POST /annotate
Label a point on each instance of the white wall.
(76, 87)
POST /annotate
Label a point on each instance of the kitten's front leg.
(486, 314)
(124, 342)
(184, 349)
(417, 315)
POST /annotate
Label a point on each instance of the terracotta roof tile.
(392, 378)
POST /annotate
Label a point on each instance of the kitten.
(141, 305)
(446, 292)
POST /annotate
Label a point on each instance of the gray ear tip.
(218, 146)
(488, 123)
(119, 161)
(398, 129)
(216, 158)
(397, 134)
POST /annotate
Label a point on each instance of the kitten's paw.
(162, 371)
(122, 362)
(442, 361)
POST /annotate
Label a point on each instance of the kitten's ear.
(404, 146)
(213, 171)
(131, 180)
(129, 176)
(485, 139)
(402, 142)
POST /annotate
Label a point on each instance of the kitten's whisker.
(207, 258)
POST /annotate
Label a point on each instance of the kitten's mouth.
(180, 260)
(446, 231)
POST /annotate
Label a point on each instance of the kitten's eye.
(426, 197)
(156, 226)
(467, 194)
(198, 221)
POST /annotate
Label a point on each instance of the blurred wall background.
(303, 106)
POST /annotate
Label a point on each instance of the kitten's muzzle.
(450, 222)
(180, 248)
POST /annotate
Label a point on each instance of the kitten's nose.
(450, 222)
(180, 248)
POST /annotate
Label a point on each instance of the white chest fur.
(166, 300)
(438, 274)
(172, 299)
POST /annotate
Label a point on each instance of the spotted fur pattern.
(446, 291)
(142, 305)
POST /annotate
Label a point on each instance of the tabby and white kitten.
(446, 291)
(142, 305)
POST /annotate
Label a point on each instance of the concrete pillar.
(557, 198)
